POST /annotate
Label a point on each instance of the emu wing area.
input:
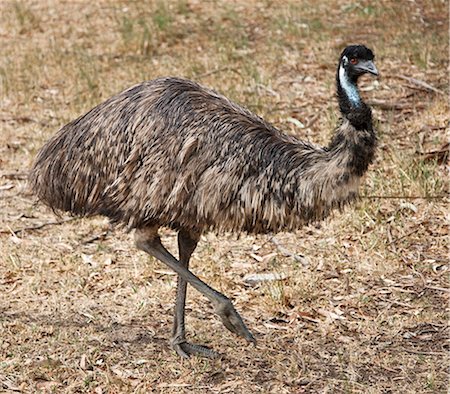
(173, 153)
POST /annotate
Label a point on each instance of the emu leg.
(187, 242)
(148, 240)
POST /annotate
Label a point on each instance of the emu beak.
(367, 66)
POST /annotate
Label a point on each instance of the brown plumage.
(172, 153)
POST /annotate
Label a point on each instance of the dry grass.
(369, 315)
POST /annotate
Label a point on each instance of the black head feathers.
(357, 60)
(358, 52)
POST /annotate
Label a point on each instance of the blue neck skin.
(349, 87)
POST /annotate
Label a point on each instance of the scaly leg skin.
(147, 239)
(187, 242)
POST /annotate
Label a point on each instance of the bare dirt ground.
(81, 310)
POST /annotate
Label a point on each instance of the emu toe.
(233, 321)
(185, 349)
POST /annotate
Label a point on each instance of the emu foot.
(233, 321)
(185, 349)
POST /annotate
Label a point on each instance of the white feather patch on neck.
(350, 88)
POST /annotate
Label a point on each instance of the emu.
(170, 152)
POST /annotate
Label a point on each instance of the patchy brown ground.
(81, 310)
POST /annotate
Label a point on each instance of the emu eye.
(353, 60)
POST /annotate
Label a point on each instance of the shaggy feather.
(170, 152)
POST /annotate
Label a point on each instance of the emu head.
(355, 61)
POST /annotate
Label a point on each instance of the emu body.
(172, 153)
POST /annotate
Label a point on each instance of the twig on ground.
(420, 84)
(218, 70)
(383, 104)
(407, 197)
(14, 175)
(425, 353)
(287, 253)
(310, 121)
(402, 237)
(441, 155)
(18, 119)
(37, 226)
(268, 90)
(95, 237)
(438, 288)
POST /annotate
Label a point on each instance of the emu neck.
(351, 105)
(347, 89)
(354, 139)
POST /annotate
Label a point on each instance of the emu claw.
(233, 321)
(185, 349)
